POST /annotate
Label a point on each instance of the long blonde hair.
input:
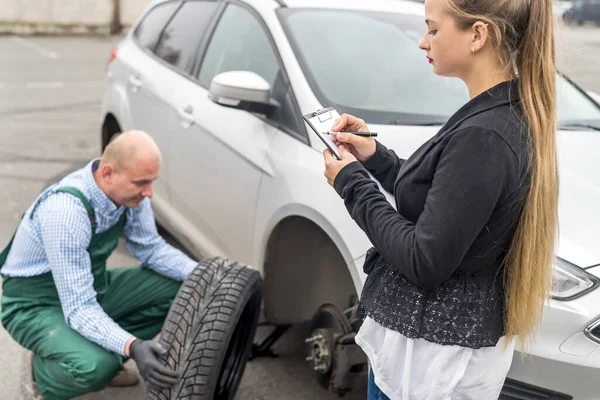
(523, 33)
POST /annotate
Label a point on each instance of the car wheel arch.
(110, 127)
(303, 269)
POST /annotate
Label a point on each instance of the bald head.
(128, 148)
(129, 166)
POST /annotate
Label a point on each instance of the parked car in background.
(560, 6)
(222, 87)
(583, 11)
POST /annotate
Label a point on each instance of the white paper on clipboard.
(322, 121)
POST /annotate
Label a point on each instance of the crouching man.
(80, 320)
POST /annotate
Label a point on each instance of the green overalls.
(66, 364)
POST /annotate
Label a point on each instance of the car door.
(221, 151)
(147, 81)
(171, 59)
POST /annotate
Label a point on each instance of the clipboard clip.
(324, 114)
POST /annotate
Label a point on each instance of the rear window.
(148, 31)
(180, 40)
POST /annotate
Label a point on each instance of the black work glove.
(152, 371)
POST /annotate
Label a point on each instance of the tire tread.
(199, 325)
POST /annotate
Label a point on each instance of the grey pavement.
(50, 97)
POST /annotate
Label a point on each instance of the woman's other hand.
(333, 166)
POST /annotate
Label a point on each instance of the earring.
(473, 50)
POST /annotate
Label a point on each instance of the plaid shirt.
(57, 237)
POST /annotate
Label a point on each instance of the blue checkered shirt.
(57, 237)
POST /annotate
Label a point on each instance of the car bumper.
(579, 382)
(564, 358)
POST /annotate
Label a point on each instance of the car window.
(239, 43)
(180, 39)
(148, 31)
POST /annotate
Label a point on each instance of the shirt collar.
(100, 201)
(502, 94)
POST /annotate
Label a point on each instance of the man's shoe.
(128, 376)
(34, 387)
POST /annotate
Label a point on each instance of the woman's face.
(448, 48)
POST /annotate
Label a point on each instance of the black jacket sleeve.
(384, 165)
(472, 171)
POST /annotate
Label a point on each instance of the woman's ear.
(480, 35)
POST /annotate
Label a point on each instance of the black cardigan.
(435, 271)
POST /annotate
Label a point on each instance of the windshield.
(369, 64)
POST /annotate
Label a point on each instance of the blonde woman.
(462, 269)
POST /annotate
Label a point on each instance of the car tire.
(209, 330)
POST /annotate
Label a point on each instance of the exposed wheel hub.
(321, 348)
(338, 362)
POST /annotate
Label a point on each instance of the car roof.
(400, 6)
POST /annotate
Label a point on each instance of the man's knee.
(93, 371)
(74, 374)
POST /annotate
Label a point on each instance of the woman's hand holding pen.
(361, 147)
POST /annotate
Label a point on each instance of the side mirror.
(243, 90)
(594, 96)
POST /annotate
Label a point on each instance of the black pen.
(363, 134)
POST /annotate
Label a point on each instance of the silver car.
(222, 87)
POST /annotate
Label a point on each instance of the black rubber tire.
(209, 330)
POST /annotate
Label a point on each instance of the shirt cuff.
(345, 175)
(117, 341)
(188, 268)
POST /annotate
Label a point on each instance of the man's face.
(129, 186)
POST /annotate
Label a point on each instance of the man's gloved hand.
(152, 371)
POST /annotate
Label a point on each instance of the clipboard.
(320, 122)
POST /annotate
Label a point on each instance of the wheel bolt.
(313, 338)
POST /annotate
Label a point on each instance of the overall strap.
(69, 190)
(86, 203)
(4, 254)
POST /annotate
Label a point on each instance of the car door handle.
(186, 115)
(135, 82)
